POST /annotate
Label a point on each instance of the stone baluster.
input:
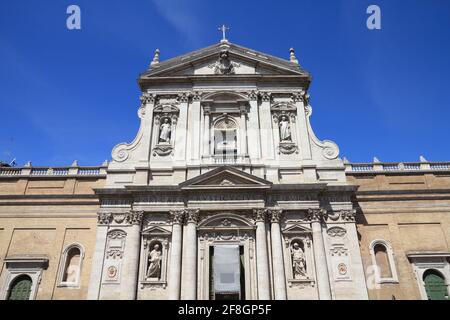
(279, 275)
(262, 261)
(174, 281)
(320, 256)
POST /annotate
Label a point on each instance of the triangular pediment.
(296, 229)
(243, 61)
(155, 230)
(226, 178)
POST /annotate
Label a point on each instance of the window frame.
(62, 266)
(391, 260)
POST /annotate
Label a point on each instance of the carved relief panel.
(339, 253)
(115, 246)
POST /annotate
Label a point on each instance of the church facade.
(226, 193)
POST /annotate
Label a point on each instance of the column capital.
(275, 215)
(104, 218)
(196, 96)
(135, 217)
(183, 97)
(260, 214)
(253, 95)
(266, 96)
(177, 216)
(191, 215)
(316, 214)
(147, 98)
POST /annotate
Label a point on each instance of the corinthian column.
(279, 276)
(320, 257)
(262, 261)
(129, 283)
(174, 281)
(190, 255)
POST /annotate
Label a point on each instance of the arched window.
(20, 288)
(225, 137)
(435, 286)
(383, 261)
(70, 267)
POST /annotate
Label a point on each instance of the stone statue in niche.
(154, 262)
(298, 261)
(285, 129)
(165, 131)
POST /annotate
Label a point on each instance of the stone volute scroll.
(329, 149)
(123, 151)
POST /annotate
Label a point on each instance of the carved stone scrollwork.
(104, 218)
(288, 148)
(336, 232)
(162, 150)
(177, 216)
(343, 215)
(316, 214)
(260, 215)
(275, 215)
(192, 215)
(224, 66)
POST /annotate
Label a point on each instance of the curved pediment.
(225, 221)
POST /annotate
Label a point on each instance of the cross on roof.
(224, 29)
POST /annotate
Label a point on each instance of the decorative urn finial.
(292, 57)
(155, 58)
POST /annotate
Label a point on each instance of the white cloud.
(182, 16)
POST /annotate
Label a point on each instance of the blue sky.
(68, 95)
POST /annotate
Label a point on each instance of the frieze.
(159, 198)
(225, 196)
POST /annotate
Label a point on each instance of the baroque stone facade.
(226, 167)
